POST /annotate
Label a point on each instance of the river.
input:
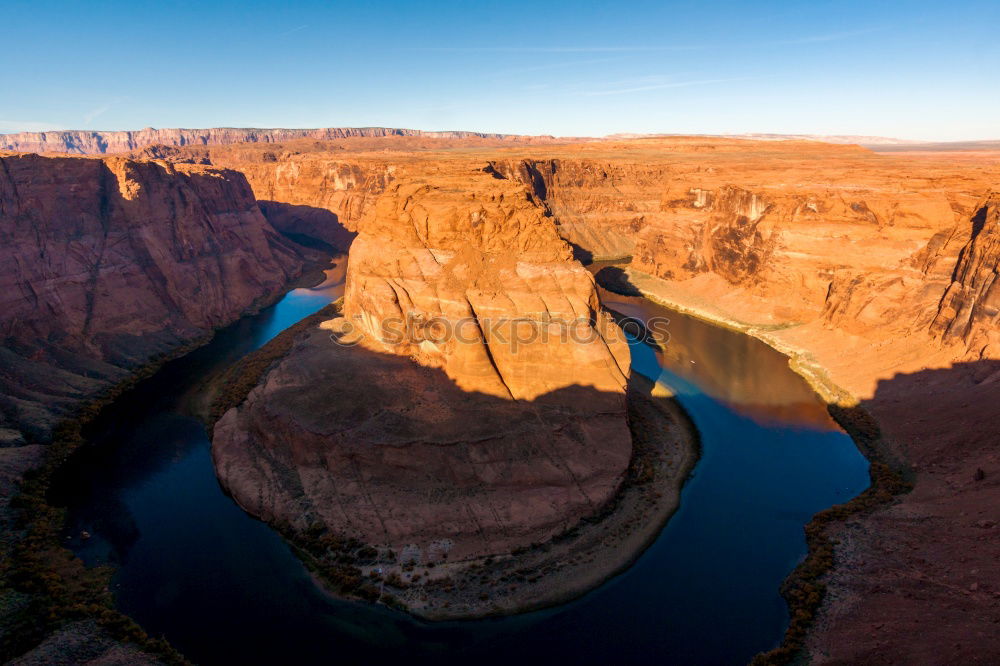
(223, 587)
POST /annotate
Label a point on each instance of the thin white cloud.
(557, 49)
(555, 65)
(832, 37)
(91, 115)
(94, 113)
(662, 86)
(807, 39)
(296, 29)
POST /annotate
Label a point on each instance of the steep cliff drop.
(474, 431)
(109, 263)
(970, 308)
(872, 271)
(106, 265)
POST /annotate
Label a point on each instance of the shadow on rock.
(313, 227)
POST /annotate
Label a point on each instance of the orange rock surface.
(110, 262)
(484, 262)
(495, 428)
(879, 267)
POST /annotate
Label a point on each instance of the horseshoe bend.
(490, 469)
(625, 386)
(445, 453)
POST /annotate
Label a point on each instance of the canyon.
(111, 263)
(876, 273)
(110, 266)
(869, 269)
(495, 425)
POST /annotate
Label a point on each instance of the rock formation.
(495, 422)
(86, 142)
(108, 263)
(484, 257)
(881, 269)
(722, 221)
(786, 231)
(871, 266)
(970, 308)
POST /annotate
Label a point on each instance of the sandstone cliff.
(109, 263)
(304, 188)
(879, 270)
(430, 444)
(328, 196)
(970, 308)
(484, 256)
(779, 233)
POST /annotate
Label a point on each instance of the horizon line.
(611, 135)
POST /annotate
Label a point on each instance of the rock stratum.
(970, 309)
(786, 232)
(87, 142)
(110, 263)
(478, 411)
(875, 270)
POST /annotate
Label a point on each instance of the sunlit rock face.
(482, 271)
(781, 224)
(970, 308)
(107, 263)
(779, 232)
(482, 408)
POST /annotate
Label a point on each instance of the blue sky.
(923, 70)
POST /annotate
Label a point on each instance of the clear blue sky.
(923, 70)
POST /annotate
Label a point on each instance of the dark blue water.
(223, 587)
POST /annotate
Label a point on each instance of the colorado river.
(223, 587)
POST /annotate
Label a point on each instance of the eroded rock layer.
(87, 142)
(779, 232)
(970, 308)
(878, 269)
(460, 444)
(110, 262)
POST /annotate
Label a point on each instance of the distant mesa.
(88, 142)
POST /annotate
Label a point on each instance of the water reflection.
(225, 588)
(155, 426)
(741, 371)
